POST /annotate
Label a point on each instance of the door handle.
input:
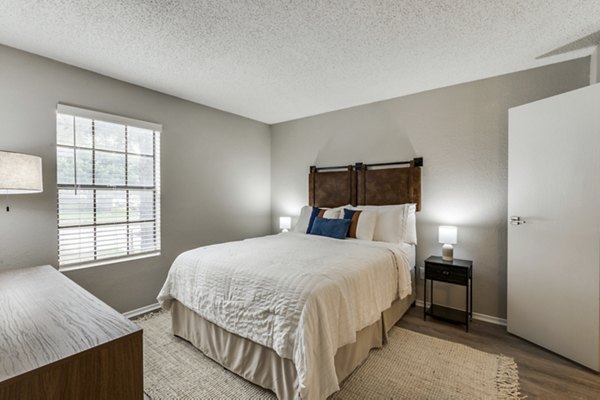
(516, 221)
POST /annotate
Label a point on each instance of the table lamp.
(447, 236)
(285, 223)
(20, 173)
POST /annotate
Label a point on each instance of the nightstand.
(457, 272)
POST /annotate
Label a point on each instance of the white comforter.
(304, 296)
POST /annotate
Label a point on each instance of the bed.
(297, 313)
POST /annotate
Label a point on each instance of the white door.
(554, 257)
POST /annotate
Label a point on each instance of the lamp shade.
(447, 234)
(20, 173)
(285, 222)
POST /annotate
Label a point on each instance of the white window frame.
(105, 117)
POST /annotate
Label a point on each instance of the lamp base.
(447, 252)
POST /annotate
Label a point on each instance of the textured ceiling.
(274, 60)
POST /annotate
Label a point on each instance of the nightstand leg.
(467, 306)
(425, 300)
(431, 295)
(471, 299)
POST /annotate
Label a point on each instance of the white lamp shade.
(447, 234)
(285, 222)
(20, 173)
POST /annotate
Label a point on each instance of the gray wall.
(215, 172)
(461, 131)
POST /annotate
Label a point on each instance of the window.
(108, 180)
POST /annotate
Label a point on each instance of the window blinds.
(108, 181)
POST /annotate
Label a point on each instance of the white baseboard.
(142, 310)
(156, 306)
(480, 317)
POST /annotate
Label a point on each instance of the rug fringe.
(149, 315)
(507, 379)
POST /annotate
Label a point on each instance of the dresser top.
(45, 317)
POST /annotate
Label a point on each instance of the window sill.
(76, 267)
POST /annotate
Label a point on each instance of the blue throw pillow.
(334, 228)
(316, 212)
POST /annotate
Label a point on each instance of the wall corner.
(595, 66)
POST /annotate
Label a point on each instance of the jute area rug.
(411, 366)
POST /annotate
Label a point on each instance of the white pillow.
(367, 220)
(305, 213)
(303, 219)
(333, 212)
(389, 222)
(395, 223)
(410, 228)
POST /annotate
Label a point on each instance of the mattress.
(303, 296)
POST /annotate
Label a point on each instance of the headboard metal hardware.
(418, 163)
(317, 169)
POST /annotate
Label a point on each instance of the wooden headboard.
(366, 184)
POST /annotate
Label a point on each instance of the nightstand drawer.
(447, 273)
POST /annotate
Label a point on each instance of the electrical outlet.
(421, 272)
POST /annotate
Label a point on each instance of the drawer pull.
(446, 272)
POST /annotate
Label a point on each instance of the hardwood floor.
(543, 375)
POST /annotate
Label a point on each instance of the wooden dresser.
(57, 341)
